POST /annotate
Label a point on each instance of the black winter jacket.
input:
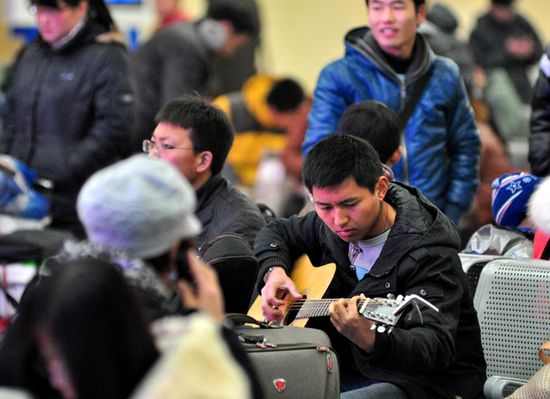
(488, 45)
(222, 208)
(175, 61)
(69, 112)
(440, 359)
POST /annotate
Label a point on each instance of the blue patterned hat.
(511, 193)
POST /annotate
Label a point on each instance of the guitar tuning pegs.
(399, 298)
(390, 296)
(381, 329)
(373, 327)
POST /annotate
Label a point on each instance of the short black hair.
(210, 128)
(374, 122)
(503, 2)
(285, 95)
(417, 3)
(243, 18)
(340, 156)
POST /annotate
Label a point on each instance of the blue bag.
(17, 197)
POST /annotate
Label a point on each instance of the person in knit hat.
(511, 193)
(138, 213)
(147, 200)
(135, 214)
(512, 231)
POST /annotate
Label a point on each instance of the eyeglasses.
(149, 145)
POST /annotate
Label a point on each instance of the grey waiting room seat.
(473, 264)
(513, 304)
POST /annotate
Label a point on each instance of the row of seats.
(512, 298)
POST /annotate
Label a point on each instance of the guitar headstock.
(386, 312)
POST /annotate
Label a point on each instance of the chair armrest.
(497, 387)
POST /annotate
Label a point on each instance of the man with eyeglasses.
(196, 137)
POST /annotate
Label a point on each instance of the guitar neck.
(384, 312)
(307, 308)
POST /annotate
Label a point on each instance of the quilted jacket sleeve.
(329, 103)
(107, 136)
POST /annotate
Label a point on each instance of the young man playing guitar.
(385, 239)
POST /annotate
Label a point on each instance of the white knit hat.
(539, 206)
(141, 204)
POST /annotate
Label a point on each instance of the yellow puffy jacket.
(255, 131)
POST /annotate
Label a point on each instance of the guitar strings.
(314, 308)
(317, 302)
(318, 307)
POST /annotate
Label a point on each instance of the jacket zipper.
(404, 161)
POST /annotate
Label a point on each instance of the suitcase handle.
(232, 320)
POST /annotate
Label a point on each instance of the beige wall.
(300, 36)
(303, 35)
(8, 45)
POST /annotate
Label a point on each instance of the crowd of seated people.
(138, 214)
(393, 156)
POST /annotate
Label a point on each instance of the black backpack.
(237, 267)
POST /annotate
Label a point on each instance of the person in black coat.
(69, 102)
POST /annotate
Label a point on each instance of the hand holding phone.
(206, 294)
(182, 266)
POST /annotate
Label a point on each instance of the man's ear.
(394, 158)
(420, 14)
(204, 161)
(381, 187)
(82, 8)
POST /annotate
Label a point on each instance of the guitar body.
(310, 281)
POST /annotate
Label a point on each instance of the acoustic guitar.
(312, 282)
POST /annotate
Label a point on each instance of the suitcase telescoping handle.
(233, 320)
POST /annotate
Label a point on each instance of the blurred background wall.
(301, 36)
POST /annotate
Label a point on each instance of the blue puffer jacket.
(442, 143)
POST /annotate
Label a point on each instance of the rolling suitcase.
(291, 362)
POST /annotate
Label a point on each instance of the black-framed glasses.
(149, 145)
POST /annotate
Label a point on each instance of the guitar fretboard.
(307, 308)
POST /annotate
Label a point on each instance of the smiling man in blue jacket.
(385, 62)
